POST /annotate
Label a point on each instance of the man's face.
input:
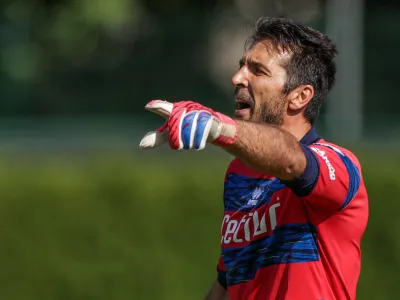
(259, 85)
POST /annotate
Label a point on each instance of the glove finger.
(160, 107)
(204, 122)
(188, 129)
(153, 139)
(175, 128)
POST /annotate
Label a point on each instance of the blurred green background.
(86, 215)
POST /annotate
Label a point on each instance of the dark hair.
(311, 61)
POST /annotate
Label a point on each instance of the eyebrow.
(253, 63)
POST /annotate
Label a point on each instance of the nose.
(240, 78)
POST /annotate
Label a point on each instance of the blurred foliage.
(70, 57)
(120, 227)
(123, 227)
(35, 32)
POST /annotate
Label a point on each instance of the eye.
(257, 71)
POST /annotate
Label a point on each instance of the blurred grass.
(121, 226)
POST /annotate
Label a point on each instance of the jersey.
(294, 240)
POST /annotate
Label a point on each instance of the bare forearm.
(268, 149)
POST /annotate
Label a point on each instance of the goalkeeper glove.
(189, 125)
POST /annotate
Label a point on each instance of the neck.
(298, 130)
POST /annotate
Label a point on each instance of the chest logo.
(255, 196)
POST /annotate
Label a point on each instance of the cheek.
(267, 87)
(265, 91)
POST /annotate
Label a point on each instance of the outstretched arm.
(262, 147)
(268, 149)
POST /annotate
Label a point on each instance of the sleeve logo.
(331, 169)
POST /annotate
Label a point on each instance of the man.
(295, 205)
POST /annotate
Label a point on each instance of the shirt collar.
(310, 137)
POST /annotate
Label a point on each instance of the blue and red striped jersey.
(298, 239)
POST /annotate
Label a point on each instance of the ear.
(300, 96)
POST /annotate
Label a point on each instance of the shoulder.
(328, 150)
(339, 176)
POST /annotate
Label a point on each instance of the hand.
(189, 125)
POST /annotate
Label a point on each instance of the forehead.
(264, 52)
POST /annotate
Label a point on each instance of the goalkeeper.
(295, 205)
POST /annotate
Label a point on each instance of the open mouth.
(241, 105)
(243, 109)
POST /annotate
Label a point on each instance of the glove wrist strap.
(228, 132)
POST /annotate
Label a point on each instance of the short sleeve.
(331, 178)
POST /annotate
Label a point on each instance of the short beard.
(272, 115)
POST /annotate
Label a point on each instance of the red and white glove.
(189, 125)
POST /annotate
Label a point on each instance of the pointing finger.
(160, 107)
